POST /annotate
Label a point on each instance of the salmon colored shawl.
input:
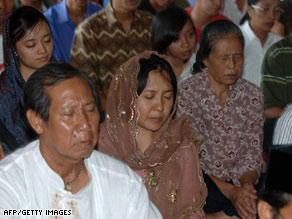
(174, 178)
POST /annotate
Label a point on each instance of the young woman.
(140, 130)
(27, 46)
(262, 14)
(173, 34)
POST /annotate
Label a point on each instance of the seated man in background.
(276, 77)
(276, 85)
(60, 171)
(64, 18)
(109, 38)
(275, 201)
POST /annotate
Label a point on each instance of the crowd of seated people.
(145, 109)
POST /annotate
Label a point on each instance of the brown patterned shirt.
(101, 44)
(231, 136)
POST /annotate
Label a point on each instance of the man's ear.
(35, 121)
(265, 211)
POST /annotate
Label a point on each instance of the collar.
(249, 34)
(63, 12)
(247, 31)
(111, 18)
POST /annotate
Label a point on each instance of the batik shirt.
(101, 44)
(231, 136)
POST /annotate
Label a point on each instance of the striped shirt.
(277, 74)
(283, 128)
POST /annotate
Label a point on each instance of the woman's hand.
(244, 201)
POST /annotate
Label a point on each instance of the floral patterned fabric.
(231, 136)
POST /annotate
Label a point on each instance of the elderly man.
(228, 113)
(109, 38)
(276, 77)
(63, 19)
(60, 173)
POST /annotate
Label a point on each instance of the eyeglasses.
(276, 11)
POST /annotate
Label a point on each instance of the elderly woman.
(140, 130)
(60, 172)
(228, 112)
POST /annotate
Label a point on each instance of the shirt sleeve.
(249, 157)
(12, 193)
(274, 84)
(283, 129)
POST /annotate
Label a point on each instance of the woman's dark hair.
(154, 63)
(246, 16)
(166, 27)
(36, 95)
(214, 30)
(23, 19)
(286, 16)
(276, 199)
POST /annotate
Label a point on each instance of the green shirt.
(277, 74)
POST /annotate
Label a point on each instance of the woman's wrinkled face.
(183, 48)
(72, 128)
(225, 61)
(264, 14)
(155, 102)
(35, 48)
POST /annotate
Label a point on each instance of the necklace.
(68, 184)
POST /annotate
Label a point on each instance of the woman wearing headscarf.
(27, 45)
(140, 130)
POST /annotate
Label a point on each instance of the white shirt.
(232, 12)
(187, 72)
(254, 53)
(114, 190)
(283, 128)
